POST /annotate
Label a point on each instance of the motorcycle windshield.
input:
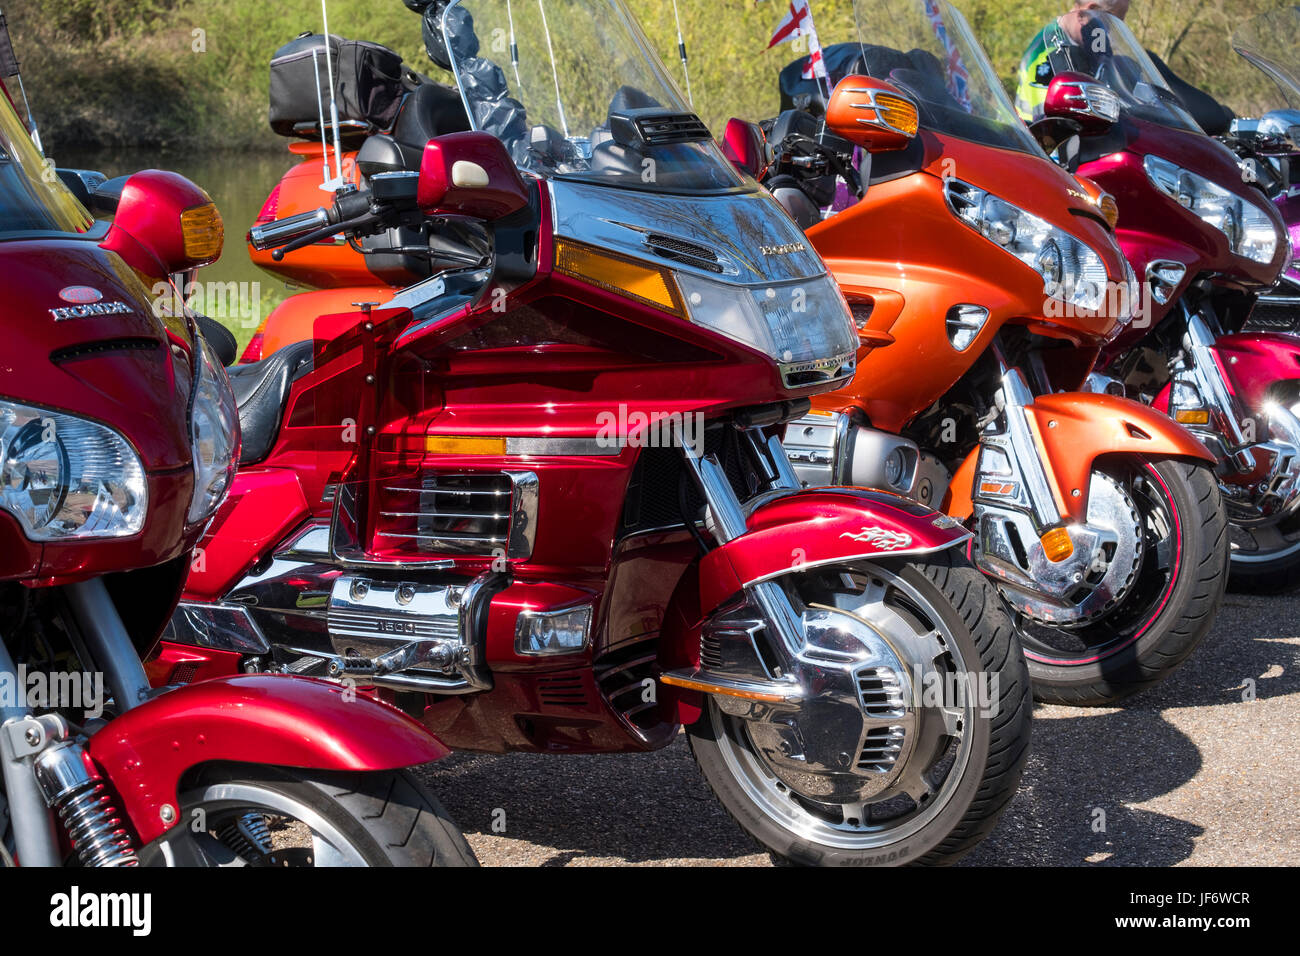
(1107, 50)
(1271, 42)
(576, 92)
(927, 49)
(29, 200)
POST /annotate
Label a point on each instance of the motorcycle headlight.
(1250, 231)
(214, 436)
(802, 324)
(1072, 271)
(67, 477)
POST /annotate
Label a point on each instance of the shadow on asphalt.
(656, 807)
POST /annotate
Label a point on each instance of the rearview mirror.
(872, 114)
(1079, 98)
(472, 175)
(164, 224)
(746, 147)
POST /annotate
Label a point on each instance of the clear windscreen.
(1106, 49)
(1272, 42)
(927, 49)
(574, 90)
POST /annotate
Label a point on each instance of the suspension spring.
(94, 828)
(77, 794)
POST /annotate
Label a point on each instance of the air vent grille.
(687, 253)
(663, 129)
(451, 514)
(627, 681)
(562, 690)
(881, 749)
(881, 692)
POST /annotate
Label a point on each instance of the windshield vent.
(687, 253)
(673, 128)
(645, 128)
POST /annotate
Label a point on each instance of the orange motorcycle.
(993, 277)
(337, 272)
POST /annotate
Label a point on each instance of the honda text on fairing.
(1270, 149)
(984, 280)
(542, 502)
(1206, 243)
(118, 440)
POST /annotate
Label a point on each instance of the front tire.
(1180, 586)
(945, 593)
(245, 815)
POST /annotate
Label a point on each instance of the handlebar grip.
(284, 231)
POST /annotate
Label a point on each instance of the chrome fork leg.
(35, 838)
(106, 637)
(1207, 378)
(729, 524)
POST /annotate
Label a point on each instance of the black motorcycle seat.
(431, 110)
(261, 391)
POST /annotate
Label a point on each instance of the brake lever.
(325, 232)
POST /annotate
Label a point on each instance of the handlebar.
(284, 231)
(359, 212)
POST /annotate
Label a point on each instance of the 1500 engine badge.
(91, 309)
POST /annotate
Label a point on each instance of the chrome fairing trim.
(754, 240)
(218, 627)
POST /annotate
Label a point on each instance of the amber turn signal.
(203, 231)
(620, 275)
(1192, 416)
(1057, 545)
(461, 445)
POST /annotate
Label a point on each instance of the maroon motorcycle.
(541, 501)
(118, 441)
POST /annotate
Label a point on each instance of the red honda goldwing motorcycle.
(118, 439)
(1206, 243)
(542, 503)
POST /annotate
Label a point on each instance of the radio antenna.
(555, 71)
(324, 130)
(514, 47)
(335, 184)
(681, 51)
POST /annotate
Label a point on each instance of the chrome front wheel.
(941, 736)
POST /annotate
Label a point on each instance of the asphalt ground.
(1200, 770)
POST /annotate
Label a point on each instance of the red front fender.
(258, 718)
(793, 533)
(1255, 364)
(821, 526)
(1258, 362)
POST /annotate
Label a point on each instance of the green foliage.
(194, 72)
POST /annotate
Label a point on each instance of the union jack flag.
(959, 80)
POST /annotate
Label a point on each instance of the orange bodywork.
(903, 251)
(294, 319)
(1072, 431)
(324, 264)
